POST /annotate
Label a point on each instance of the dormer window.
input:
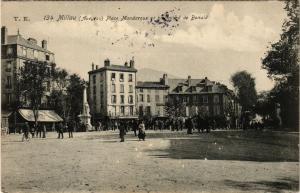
(209, 89)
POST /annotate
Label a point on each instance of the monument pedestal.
(85, 117)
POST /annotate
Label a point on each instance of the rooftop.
(148, 84)
(18, 39)
(196, 86)
(114, 67)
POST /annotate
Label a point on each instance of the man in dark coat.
(26, 129)
(189, 125)
(122, 131)
(71, 129)
(60, 130)
(135, 126)
(39, 130)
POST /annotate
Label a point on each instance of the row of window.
(149, 90)
(122, 99)
(24, 52)
(147, 111)
(122, 110)
(157, 98)
(200, 99)
(121, 77)
(113, 88)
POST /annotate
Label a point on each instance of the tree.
(58, 96)
(174, 108)
(75, 93)
(33, 83)
(282, 64)
(244, 84)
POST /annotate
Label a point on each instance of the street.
(220, 161)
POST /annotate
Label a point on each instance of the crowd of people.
(39, 130)
(139, 126)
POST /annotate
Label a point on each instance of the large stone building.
(203, 96)
(151, 97)
(15, 51)
(112, 90)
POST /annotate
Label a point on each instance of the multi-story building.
(202, 96)
(15, 51)
(151, 97)
(112, 90)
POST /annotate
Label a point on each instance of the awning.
(44, 115)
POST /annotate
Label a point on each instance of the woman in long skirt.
(142, 131)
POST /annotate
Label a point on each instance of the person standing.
(32, 130)
(60, 131)
(39, 130)
(100, 125)
(189, 125)
(71, 129)
(26, 129)
(122, 131)
(135, 126)
(142, 131)
(44, 130)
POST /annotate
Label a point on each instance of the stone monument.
(85, 117)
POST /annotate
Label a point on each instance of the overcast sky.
(234, 36)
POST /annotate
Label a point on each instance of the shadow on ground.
(240, 146)
(278, 186)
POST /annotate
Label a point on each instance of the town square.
(150, 97)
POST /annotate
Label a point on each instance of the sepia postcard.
(149, 96)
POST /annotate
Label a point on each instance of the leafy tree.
(75, 96)
(33, 83)
(174, 108)
(265, 105)
(58, 97)
(244, 84)
(66, 98)
(282, 64)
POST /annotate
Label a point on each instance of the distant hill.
(148, 74)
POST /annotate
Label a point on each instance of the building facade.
(202, 96)
(151, 98)
(112, 90)
(15, 50)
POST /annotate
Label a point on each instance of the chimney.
(4, 35)
(44, 44)
(96, 67)
(93, 66)
(126, 64)
(106, 62)
(165, 79)
(131, 63)
(189, 81)
(32, 40)
(206, 80)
